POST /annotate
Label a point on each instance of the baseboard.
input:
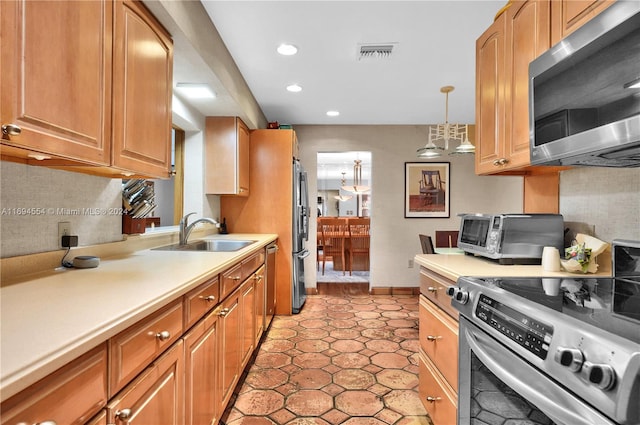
(394, 291)
(358, 288)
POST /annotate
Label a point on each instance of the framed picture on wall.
(426, 189)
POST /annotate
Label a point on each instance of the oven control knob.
(601, 375)
(461, 296)
(451, 291)
(570, 357)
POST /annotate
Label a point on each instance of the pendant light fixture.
(357, 187)
(445, 132)
(343, 198)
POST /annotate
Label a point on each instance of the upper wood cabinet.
(569, 15)
(56, 78)
(142, 90)
(86, 86)
(226, 156)
(503, 53)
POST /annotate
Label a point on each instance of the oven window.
(474, 232)
(494, 403)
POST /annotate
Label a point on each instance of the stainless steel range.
(551, 351)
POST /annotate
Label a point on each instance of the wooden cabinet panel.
(569, 15)
(230, 317)
(247, 304)
(156, 396)
(434, 288)
(251, 264)
(527, 37)
(143, 69)
(259, 278)
(201, 372)
(133, 349)
(200, 300)
(56, 77)
(440, 402)
(71, 395)
(439, 340)
(99, 419)
(490, 112)
(226, 156)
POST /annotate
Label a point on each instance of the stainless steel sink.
(211, 245)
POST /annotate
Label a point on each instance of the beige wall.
(394, 239)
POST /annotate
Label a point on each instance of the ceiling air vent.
(375, 51)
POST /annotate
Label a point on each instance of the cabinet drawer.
(230, 280)
(436, 396)
(133, 349)
(200, 300)
(71, 395)
(434, 287)
(439, 340)
(251, 264)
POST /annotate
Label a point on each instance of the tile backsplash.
(34, 199)
(606, 198)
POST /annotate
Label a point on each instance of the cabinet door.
(156, 396)
(259, 278)
(71, 395)
(226, 156)
(201, 363)
(56, 78)
(490, 112)
(143, 68)
(230, 345)
(438, 398)
(528, 28)
(248, 302)
(569, 15)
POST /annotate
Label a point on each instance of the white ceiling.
(435, 47)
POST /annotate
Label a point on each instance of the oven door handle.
(546, 395)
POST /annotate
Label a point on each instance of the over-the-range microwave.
(584, 94)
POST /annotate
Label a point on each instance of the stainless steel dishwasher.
(270, 286)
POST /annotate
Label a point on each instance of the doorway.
(344, 200)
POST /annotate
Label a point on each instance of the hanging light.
(343, 198)
(444, 133)
(357, 187)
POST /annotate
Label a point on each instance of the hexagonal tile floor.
(343, 360)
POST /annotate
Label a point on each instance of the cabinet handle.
(12, 130)
(223, 312)
(257, 278)
(46, 422)
(208, 298)
(433, 338)
(163, 336)
(433, 399)
(123, 414)
(501, 161)
(235, 278)
(432, 289)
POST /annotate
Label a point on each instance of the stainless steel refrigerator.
(300, 234)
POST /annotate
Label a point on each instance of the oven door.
(496, 385)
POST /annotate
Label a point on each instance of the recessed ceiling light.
(295, 88)
(333, 113)
(195, 90)
(287, 49)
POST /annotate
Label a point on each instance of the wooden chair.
(432, 187)
(446, 238)
(334, 231)
(358, 240)
(427, 244)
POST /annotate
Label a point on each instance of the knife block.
(132, 225)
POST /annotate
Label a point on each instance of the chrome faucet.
(186, 228)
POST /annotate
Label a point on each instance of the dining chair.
(446, 238)
(359, 238)
(427, 244)
(334, 231)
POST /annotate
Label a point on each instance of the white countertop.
(453, 266)
(53, 317)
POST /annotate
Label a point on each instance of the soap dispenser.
(223, 227)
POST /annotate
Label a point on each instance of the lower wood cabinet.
(201, 371)
(156, 396)
(230, 319)
(436, 395)
(71, 395)
(248, 305)
(259, 278)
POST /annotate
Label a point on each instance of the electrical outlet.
(64, 229)
(410, 264)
